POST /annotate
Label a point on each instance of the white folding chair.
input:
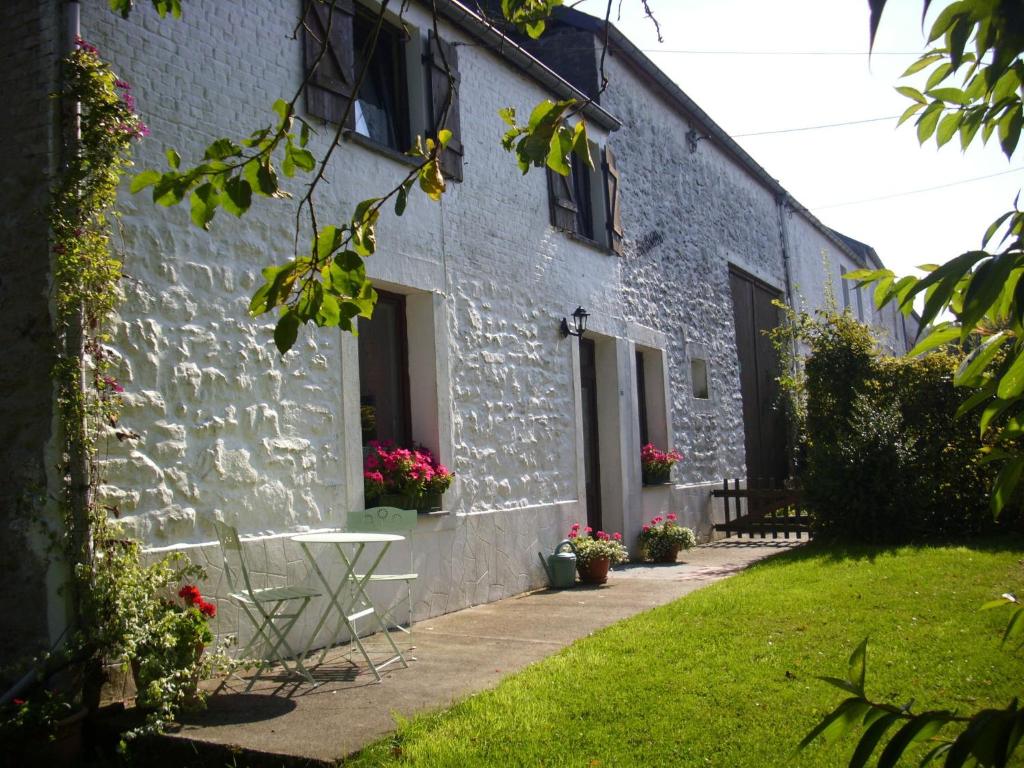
(389, 520)
(264, 607)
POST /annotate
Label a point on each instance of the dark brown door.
(764, 422)
(591, 443)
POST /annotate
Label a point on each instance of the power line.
(916, 191)
(781, 53)
(815, 127)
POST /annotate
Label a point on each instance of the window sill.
(380, 149)
(583, 240)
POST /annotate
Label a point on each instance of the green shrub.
(884, 458)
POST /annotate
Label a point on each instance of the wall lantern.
(579, 319)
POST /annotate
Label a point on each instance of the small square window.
(699, 378)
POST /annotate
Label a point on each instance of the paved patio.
(284, 723)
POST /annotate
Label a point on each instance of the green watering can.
(561, 565)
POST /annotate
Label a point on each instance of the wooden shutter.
(330, 89)
(613, 209)
(562, 201)
(440, 53)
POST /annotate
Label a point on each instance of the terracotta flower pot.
(595, 571)
(667, 556)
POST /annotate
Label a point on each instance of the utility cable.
(815, 127)
(916, 191)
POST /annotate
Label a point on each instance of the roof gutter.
(468, 21)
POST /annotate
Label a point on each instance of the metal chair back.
(235, 570)
(382, 520)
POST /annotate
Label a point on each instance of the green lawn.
(726, 676)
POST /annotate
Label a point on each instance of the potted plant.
(596, 553)
(167, 661)
(408, 478)
(662, 538)
(45, 727)
(656, 465)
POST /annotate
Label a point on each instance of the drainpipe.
(783, 202)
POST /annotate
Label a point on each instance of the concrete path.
(456, 655)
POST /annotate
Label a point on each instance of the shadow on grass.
(835, 551)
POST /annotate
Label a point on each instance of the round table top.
(344, 537)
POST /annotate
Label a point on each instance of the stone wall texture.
(29, 48)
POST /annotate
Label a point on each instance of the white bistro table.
(347, 599)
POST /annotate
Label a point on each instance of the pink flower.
(656, 520)
(646, 528)
(588, 529)
(617, 536)
(602, 536)
(670, 516)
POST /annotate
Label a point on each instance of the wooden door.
(764, 423)
(591, 441)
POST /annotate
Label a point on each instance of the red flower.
(646, 528)
(670, 516)
(190, 594)
(207, 609)
(617, 536)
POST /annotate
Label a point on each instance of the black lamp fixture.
(579, 319)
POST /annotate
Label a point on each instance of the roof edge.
(501, 45)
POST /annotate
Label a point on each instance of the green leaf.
(237, 196)
(1011, 385)
(992, 411)
(328, 240)
(1006, 483)
(948, 127)
(204, 205)
(173, 159)
(920, 728)
(581, 144)
(986, 284)
(1014, 626)
(558, 156)
(912, 93)
(286, 331)
(946, 333)
(992, 228)
(921, 63)
(909, 112)
(148, 178)
(928, 120)
(841, 719)
(939, 74)
(952, 95)
(444, 136)
(869, 741)
(221, 149)
(402, 198)
(1009, 130)
(302, 158)
(844, 685)
(969, 373)
(330, 313)
(858, 665)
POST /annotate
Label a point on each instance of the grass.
(727, 675)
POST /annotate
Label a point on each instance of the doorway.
(764, 423)
(591, 442)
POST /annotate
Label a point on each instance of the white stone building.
(541, 430)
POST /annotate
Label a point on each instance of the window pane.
(380, 105)
(641, 397)
(384, 373)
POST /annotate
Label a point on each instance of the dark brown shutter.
(614, 213)
(440, 53)
(562, 200)
(330, 89)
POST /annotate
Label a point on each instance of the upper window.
(381, 108)
(586, 203)
(399, 97)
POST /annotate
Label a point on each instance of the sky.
(829, 171)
